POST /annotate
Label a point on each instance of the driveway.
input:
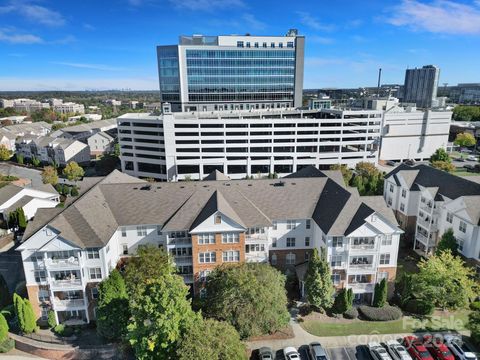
(22, 172)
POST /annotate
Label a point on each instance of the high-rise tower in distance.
(421, 86)
(232, 72)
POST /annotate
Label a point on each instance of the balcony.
(62, 263)
(187, 278)
(423, 239)
(68, 303)
(183, 260)
(366, 266)
(362, 287)
(64, 284)
(260, 256)
(255, 238)
(180, 241)
(363, 247)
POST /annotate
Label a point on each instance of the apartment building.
(53, 150)
(428, 201)
(232, 72)
(66, 252)
(173, 146)
(69, 108)
(83, 131)
(100, 143)
(29, 105)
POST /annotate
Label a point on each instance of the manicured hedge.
(385, 313)
(7, 345)
(62, 330)
(351, 313)
(419, 307)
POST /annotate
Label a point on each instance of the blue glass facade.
(240, 75)
(168, 73)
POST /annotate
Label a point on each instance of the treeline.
(466, 113)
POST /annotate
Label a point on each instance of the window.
(254, 248)
(93, 254)
(291, 224)
(256, 44)
(382, 275)
(462, 226)
(449, 217)
(141, 230)
(384, 259)
(218, 219)
(308, 224)
(248, 44)
(389, 201)
(240, 44)
(94, 291)
(43, 295)
(391, 188)
(290, 242)
(402, 207)
(336, 261)
(95, 273)
(336, 279)
(207, 238)
(44, 314)
(460, 244)
(337, 241)
(124, 231)
(387, 240)
(307, 256)
(290, 44)
(231, 256)
(203, 293)
(274, 242)
(264, 45)
(274, 225)
(290, 259)
(125, 249)
(404, 193)
(307, 240)
(202, 275)
(230, 238)
(40, 276)
(207, 257)
(274, 259)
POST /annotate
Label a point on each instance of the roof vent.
(146, 187)
(249, 184)
(280, 183)
(135, 188)
(205, 186)
(182, 187)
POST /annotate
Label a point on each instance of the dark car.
(317, 352)
(265, 353)
(410, 162)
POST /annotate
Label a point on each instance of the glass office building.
(206, 73)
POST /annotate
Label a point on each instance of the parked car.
(460, 159)
(410, 162)
(378, 352)
(290, 353)
(416, 349)
(391, 163)
(265, 353)
(459, 349)
(437, 348)
(317, 352)
(397, 351)
(472, 158)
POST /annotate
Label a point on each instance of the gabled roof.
(472, 207)
(8, 191)
(306, 172)
(216, 175)
(449, 185)
(24, 200)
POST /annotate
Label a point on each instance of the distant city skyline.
(79, 45)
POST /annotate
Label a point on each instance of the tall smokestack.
(379, 80)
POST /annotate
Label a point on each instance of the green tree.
(20, 158)
(3, 329)
(347, 173)
(29, 317)
(466, 113)
(22, 219)
(50, 175)
(5, 298)
(440, 155)
(249, 296)
(160, 315)
(474, 326)
(368, 179)
(5, 154)
(445, 281)
(444, 165)
(73, 171)
(13, 219)
(35, 161)
(318, 281)
(112, 307)
(213, 340)
(465, 139)
(116, 150)
(380, 293)
(18, 306)
(340, 304)
(149, 263)
(447, 242)
(52, 321)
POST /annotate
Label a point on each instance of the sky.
(110, 44)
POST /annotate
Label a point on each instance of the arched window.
(290, 259)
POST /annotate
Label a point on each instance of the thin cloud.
(320, 39)
(35, 13)
(308, 20)
(89, 27)
(100, 67)
(9, 36)
(440, 16)
(250, 21)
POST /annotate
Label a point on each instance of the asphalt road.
(21, 172)
(342, 353)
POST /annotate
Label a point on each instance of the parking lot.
(340, 353)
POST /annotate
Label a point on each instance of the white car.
(291, 353)
(458, 348)
(378, 352)
(397, 351)
(472, 158)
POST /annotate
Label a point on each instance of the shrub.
(475, 306)
(384, 313)
(52, 322)
(341, 304)
(7, 345)
(351, 313)
(3, 328)
(420, 307)
(59, 188)
(62, 330)
(74, 191)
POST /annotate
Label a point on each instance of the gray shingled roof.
(24, 200)
(121, 200)
(216, 175)
(8, 191)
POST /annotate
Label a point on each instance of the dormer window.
(218, 219)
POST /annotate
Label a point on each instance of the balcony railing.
(183, 259)
(423, 239)
(260, 256)
(362, 286)
(62, 263)
(179, 241)
(67, 283)
(256, 238)
(368, 266)
(69, 303)
(366, 246)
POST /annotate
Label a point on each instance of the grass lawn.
(464, 173)
(439, 322)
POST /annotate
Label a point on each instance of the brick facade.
(281, 257)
